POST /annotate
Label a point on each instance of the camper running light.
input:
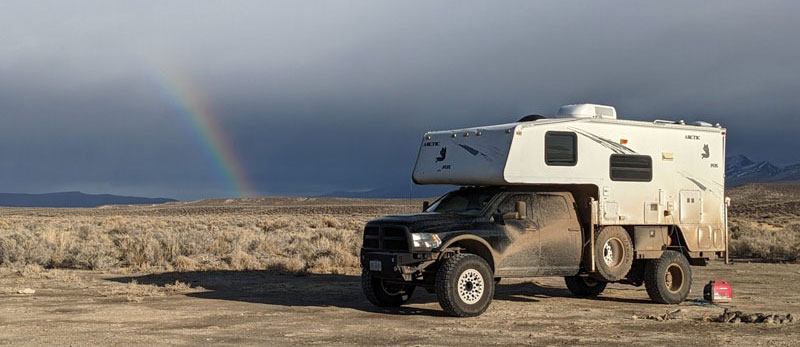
(426, 240)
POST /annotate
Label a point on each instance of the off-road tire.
(584, 286)
(668, 279)
(458, 277)
(613, 251)
(384, 295)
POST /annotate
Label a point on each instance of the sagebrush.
(174, 240)
(294, 235)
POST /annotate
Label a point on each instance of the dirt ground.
(81, 308)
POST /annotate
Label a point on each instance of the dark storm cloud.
(335, 95)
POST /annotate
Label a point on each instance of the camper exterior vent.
(586, 111)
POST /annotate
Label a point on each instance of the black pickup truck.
(462, 244)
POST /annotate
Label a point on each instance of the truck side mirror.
(425, 205)
(509, 216)
(521, 210)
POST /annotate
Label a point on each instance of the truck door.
(559, 234)
(521, 251)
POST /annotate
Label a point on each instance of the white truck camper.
(636, 173)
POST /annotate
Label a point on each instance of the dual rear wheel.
(667, 279)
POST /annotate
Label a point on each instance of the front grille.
(390, 238)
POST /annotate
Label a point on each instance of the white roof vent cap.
(586, 111)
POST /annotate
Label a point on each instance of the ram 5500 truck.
(583, 195)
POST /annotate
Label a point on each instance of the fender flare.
(485, 250)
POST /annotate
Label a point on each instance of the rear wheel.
(464, 285)
(383, 294)
(584, 286)
(668, 279)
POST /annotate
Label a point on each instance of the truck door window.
(560, 148)
(628, 167)
(552, 207)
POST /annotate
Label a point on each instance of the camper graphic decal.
(442, 155)
(705, 153)
(613, 146)
(474, 152)
(469, 149)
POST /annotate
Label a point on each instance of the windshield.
(463, 201)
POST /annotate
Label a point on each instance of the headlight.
(426, 240)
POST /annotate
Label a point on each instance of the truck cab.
(460, 246)
(523, 233)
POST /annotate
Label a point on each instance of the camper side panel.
(646, 174)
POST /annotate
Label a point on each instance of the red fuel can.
(718, 291)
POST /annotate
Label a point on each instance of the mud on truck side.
(583, 195)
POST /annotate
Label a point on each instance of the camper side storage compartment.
(649, 241)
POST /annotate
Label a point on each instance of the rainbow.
(179, 90)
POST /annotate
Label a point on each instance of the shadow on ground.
(343, 291)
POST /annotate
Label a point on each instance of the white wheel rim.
(608, 254)
(612, 252)
(470, 286)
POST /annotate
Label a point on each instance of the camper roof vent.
(532, 118)
(586, 111)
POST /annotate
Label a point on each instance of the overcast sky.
(335, 95)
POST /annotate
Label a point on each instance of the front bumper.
(395, 265)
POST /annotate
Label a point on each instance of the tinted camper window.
(636, 168)
(560, 148)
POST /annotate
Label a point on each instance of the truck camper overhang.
(471, 156)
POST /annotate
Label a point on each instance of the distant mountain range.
(73, 199)
(740, 169)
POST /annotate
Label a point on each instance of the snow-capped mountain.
(739, 170)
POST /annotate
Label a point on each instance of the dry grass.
(292, 235)
(135, 292)
(765, 222)
(295, 236)
(751, 239)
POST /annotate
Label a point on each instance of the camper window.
(560, 148)
(636, 168)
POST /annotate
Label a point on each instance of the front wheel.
(584, 286)
(668, 279)
(383, 294)
(464, 285)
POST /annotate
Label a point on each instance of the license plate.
(375, 265)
